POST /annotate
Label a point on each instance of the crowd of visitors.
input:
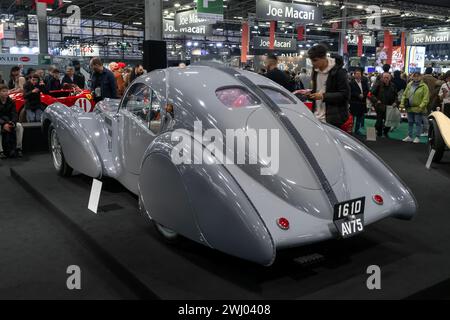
(104, 83)
(336, 94)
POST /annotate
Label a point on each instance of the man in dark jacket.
(399, 83)
(79, 78)
(103, 82)
(69, 77)
(276, 75)
(54, 83)
(32, 96)
(11, 131)
(384, 93)
(330, 87)
(359, 88)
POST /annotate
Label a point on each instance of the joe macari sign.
(170, 29)
(417, 39)
(291, 12)
(280, 44)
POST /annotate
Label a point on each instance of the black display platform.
(33, 138)
(414, 256)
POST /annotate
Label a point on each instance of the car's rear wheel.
(167, 234)
(436, 142)
(59, 162)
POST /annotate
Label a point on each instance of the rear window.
(277, 96)
(236, 97)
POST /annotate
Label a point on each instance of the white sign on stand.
(94, 199)
(371, 134)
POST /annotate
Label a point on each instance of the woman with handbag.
(444, 94)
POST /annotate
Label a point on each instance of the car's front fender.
(78, 149)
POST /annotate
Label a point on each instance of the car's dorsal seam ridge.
(301, 143)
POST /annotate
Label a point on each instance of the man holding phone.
(330, 87)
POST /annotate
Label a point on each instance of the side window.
(144, 103)
(277, 96)
(155, 117)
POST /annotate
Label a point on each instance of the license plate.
(349, 217)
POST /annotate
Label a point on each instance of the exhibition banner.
(290, 12)
(300, 33)
(19, 59)
(201, 30)
(398, 59)
(415, 58)
(368, 41)
(273, 27)
(211, 10)
(424, 38)
(263, 43)
(388, 44)
(245, 42)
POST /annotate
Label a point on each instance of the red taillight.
(378, 199)
(283, 223)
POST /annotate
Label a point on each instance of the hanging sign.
(189, 19)
(279, 44)
(368, 41)
(211, 10)
(425, 38)
(16, 59)
(201, 30)
(290, 12)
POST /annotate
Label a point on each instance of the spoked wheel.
(436, 142)
(59, 162)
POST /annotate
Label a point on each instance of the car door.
(141, 111)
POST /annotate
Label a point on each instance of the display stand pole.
(430, 159)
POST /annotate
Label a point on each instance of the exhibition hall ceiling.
(396, 14)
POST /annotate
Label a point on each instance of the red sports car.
(72, 98)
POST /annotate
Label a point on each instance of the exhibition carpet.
(413, 255)
(36, 251)
(399, 133)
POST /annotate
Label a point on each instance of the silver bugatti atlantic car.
(316, 183)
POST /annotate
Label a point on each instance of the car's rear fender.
(203, 202)
(79, 150)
